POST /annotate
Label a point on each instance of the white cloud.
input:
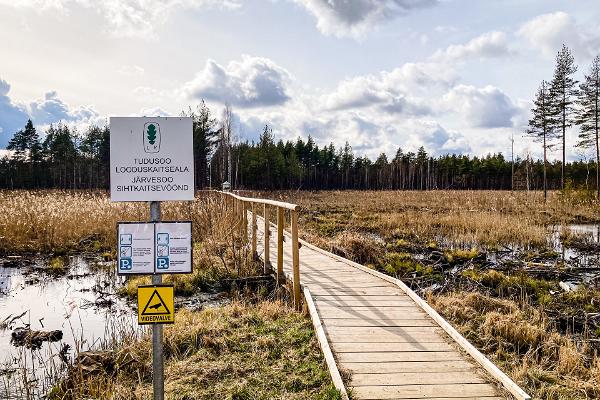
(12, 116)
(52, 109)
(548, 32)
(486, 107)
(126, 18)
(435, 138)
(131, 70)
(47, 110)
(251, 82)
(487, 45)
(401, 90)
(353, 18)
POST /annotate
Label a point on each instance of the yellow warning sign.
(156, 304)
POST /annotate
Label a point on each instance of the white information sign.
(135, 242)
(151, 159)
(154, 248)
(173, 247)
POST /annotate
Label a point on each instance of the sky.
(454, 76)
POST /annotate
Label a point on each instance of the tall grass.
(522, 341)
(468, 217)
(60, 221)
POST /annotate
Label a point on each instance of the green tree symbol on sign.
(151, 134)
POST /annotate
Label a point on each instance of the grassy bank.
(240, 351)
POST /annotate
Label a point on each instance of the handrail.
(288, 206)
(240, 211)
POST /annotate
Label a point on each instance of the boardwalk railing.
(241, 205)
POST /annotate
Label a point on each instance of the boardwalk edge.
(327, 353)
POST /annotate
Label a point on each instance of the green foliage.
(460, 256)
(516, 285)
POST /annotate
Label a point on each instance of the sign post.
(158, 367)
(151, 159)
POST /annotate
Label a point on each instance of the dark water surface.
(80, 302)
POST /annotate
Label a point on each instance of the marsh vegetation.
(516, 275)
(232, 338)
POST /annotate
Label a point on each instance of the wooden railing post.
(280, 223)
(245, 221)
(254, 229)
(296, 260)
(266, 246)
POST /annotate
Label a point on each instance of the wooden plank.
(367, 303)
(407, 307)
(424, 391)
(408, 366)
(400, 357)
(386, 330)
(376, 322)
(372, 314)
(350, 291)
(358, 347)
(414, 378)
(375, 297)
(415, 337)
(351, 285)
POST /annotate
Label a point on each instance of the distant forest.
(67, 159)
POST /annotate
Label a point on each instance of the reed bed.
(53, 221)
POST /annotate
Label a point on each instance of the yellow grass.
(464, 217)
(523, 343)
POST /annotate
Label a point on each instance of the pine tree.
(563, 89)
(542, 124)
(26, 144)
(205, 132)
(588, 114)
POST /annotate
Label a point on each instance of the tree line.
(68, 159)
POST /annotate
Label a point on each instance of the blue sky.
(449, 75)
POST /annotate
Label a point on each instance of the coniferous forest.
(68, 159)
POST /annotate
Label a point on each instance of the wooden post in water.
(267, 249)
(254, 228)
(296, 260)
(280, 223)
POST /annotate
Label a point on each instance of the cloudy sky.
(451, 75)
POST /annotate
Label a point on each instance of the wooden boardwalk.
(382, 336)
